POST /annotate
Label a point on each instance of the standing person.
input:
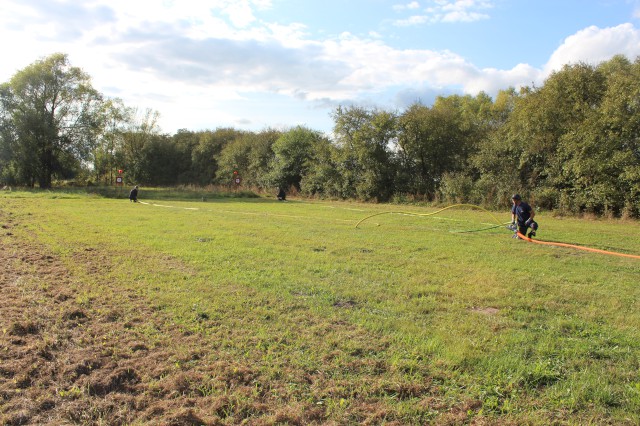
(133, 195)
(523, 214)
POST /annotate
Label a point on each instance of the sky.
(257, 64)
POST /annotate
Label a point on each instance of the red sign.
(120, 171)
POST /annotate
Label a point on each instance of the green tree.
(565, 110)
(544, 134)
(601, 157)
(205, 156)
(496, 158)
(140, 130)
(571, 144)
(439, 140)
(366, 162)
(292, 154)
(50, 119)
(160, 161)
(108, 152)
(322, 177)
(250, 154)
(184, 143)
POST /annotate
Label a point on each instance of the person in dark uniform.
(133, 195)
(523, 214)
(282, 196)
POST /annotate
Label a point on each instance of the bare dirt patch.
(66, 361)
(485, 310)
(69, 357)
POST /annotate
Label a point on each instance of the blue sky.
(252, 64)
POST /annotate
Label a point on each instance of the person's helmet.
(516, 197)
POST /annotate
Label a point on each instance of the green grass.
(399, 316)
(122, 192)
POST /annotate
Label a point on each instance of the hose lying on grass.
(498, 224)
(573, 246)
(436, 212)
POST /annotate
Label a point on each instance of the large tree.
(141, 129)
(49, 119)
(205, 155)
(365, 139)
(322, 175)
(438, 140)
(108, 152)
(292, 153)
(250, 155)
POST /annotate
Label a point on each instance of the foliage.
(108, 154)
(572, 144)
(49, 120)
(292, 155)
(250, 155)
(365, 160)
(205, 155)
(139, 133)
(322, 178)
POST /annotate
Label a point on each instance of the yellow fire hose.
(498, 224)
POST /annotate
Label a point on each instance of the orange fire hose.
(523, 237)
(593, 250)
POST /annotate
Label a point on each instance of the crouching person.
(523, 214)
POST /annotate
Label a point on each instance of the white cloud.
(191, 60)
(240, 13)
(491, 80)
(594, 45)
(463, 16)
(409, 6)
(415, 20)
(446, 11)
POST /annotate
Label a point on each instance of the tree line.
(572, 144)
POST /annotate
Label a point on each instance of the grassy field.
(229, 311)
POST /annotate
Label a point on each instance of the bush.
(547, 198)
(457, 188)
